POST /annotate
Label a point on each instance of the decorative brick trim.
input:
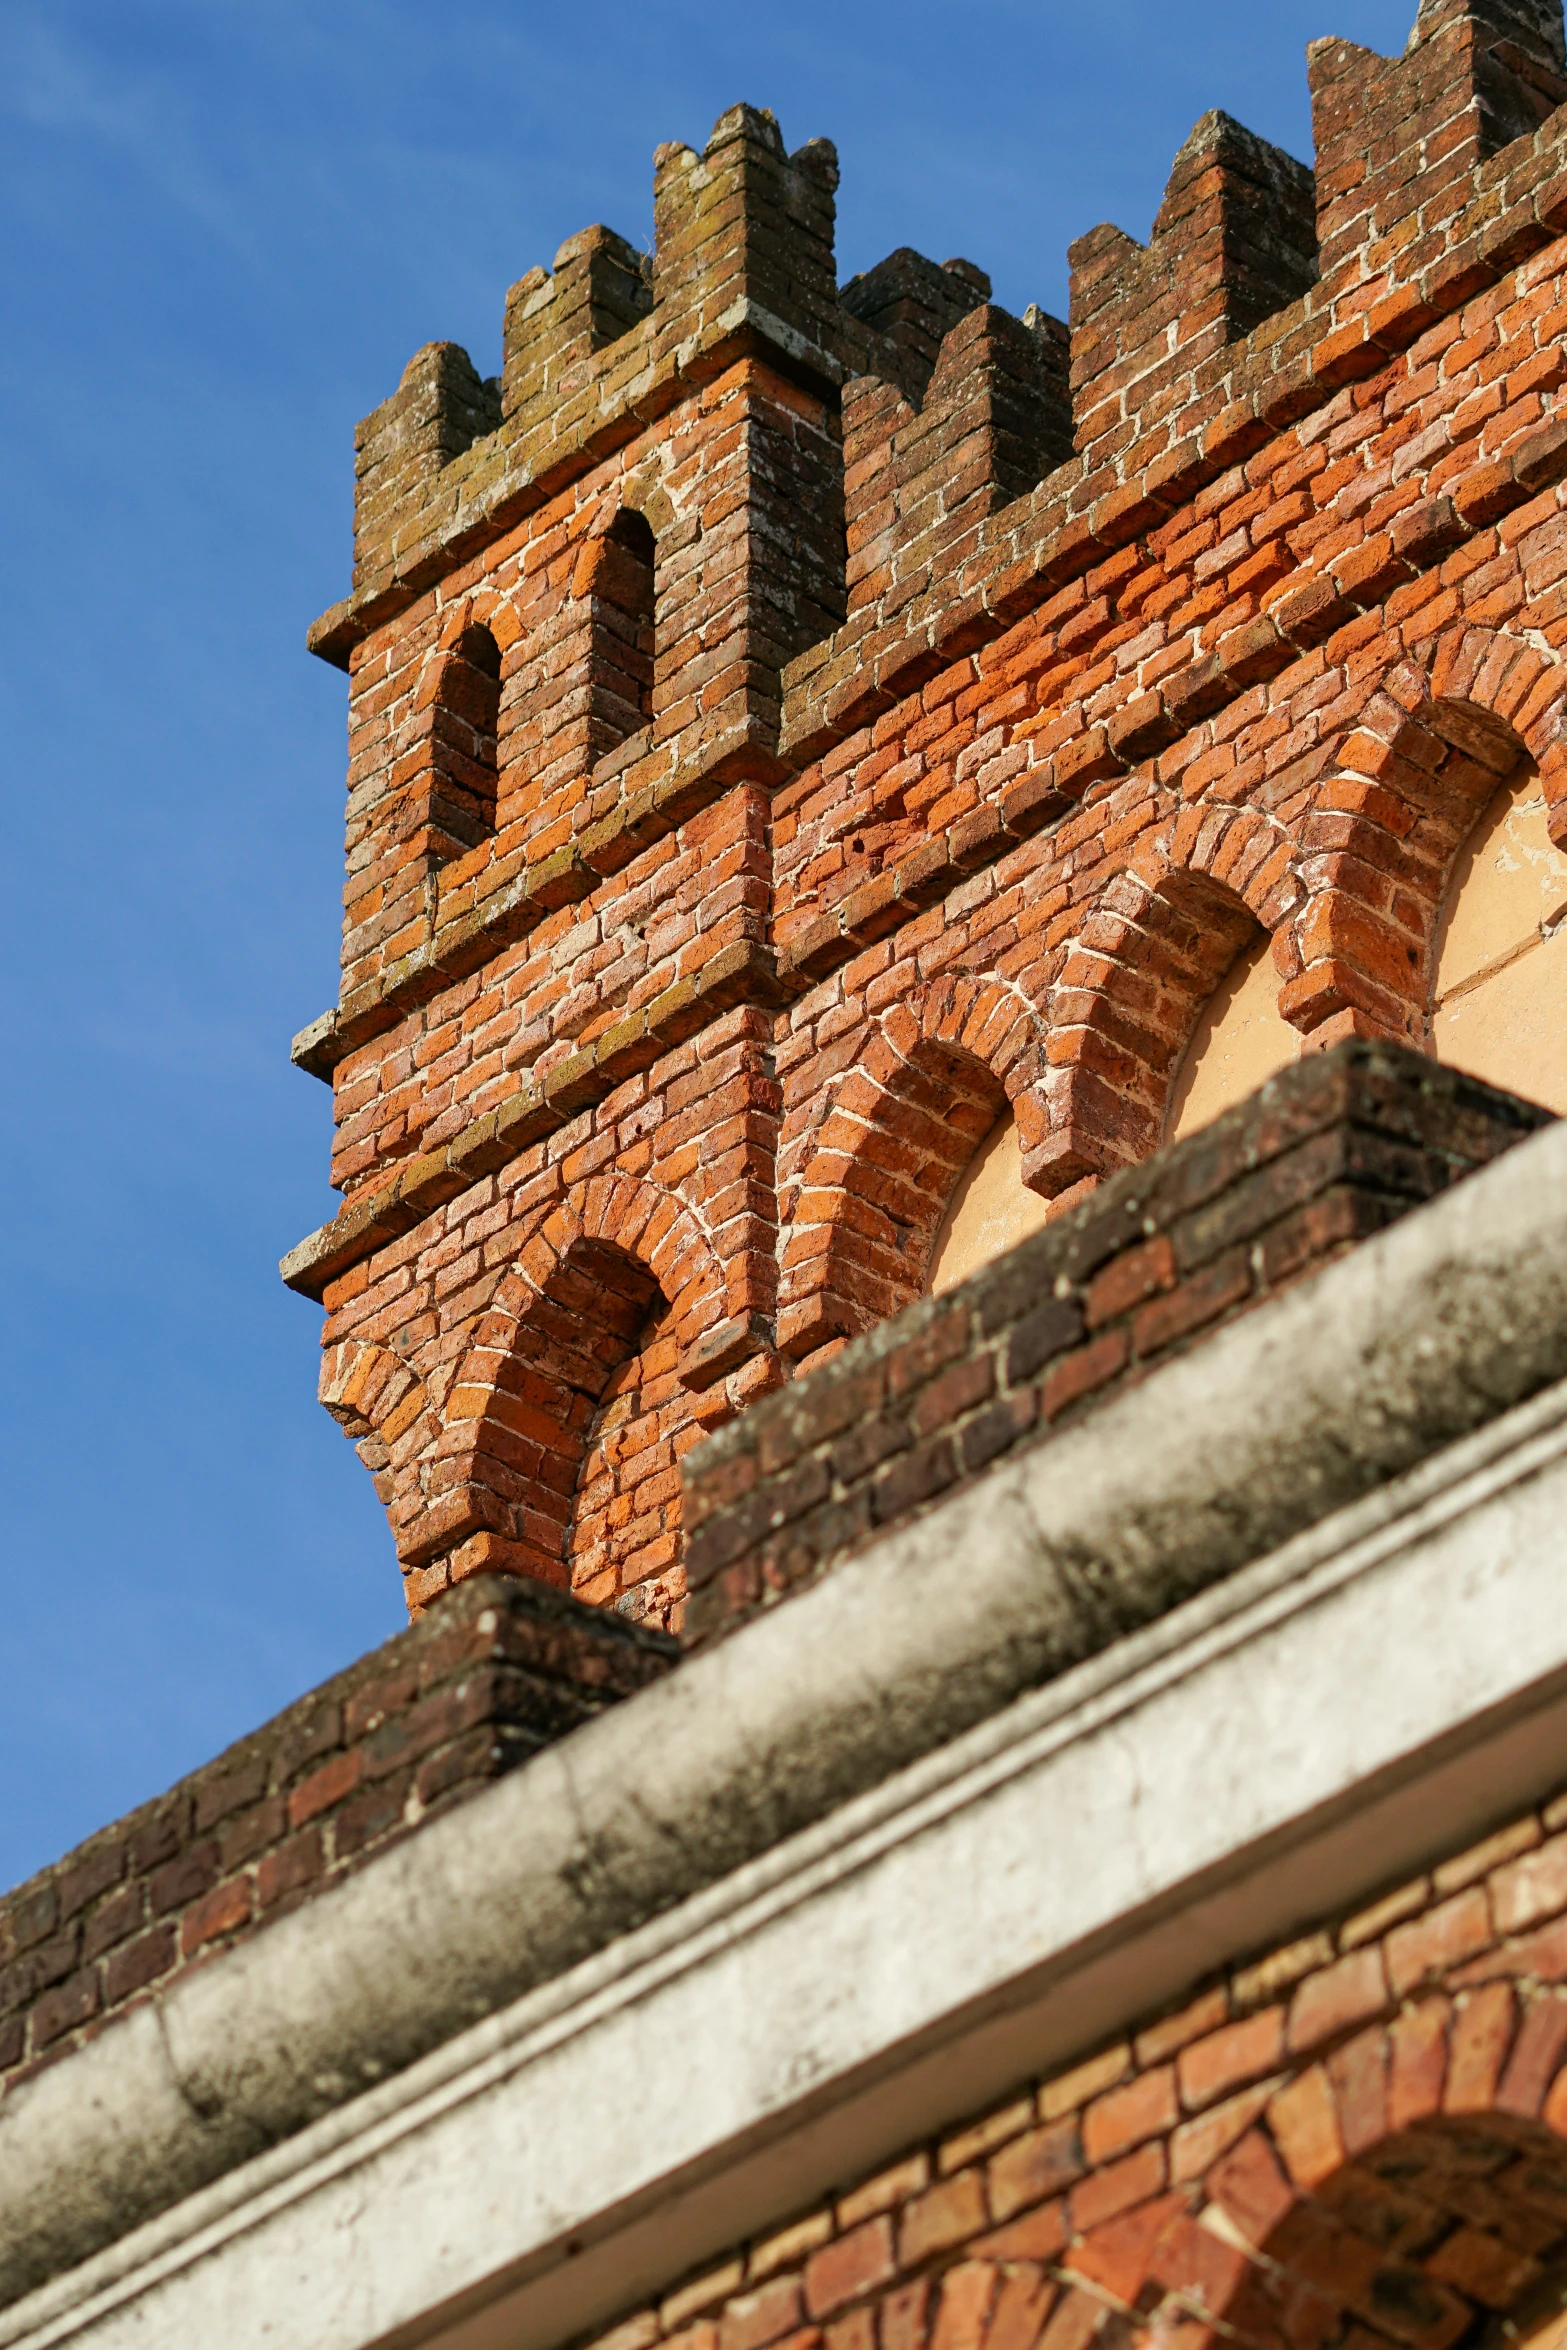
(742, 973)
(488, 1479)
(1029, 791)
(489, 902)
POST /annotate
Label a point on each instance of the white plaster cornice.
(911, 1928)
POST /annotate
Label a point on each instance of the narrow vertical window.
(620, 658)
(465, 739)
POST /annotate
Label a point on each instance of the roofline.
(1418, 1340)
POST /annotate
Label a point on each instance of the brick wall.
(414, 1727)
(1327, 1153)
(970, 759)
(1358, 2139)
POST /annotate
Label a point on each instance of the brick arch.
(1427, 753)
(1428, 2234)
(1406, 2191)
(641, 492)
(1135, 979)
(931, 1077)
(498, 1487)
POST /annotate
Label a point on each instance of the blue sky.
(227, 225)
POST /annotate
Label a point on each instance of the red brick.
(1128, 1279)
(326, 1787)
(1249, 2184)
(967, 2295)
(855, 2264)
(751, 2320)
(1022, 2306)
(1537, 2052)
(1198, 2144)
(1040, 2235)
(1034, 2167)
(1144, 2108)
(222, 1911)
(1338, 1998)
(1483, 2024)
(1240, 2052)
(1430, 1945)
(1532, 1888)
(1418, 2042)
(942, 2217)
(1303, 2122)
(1119, 2185)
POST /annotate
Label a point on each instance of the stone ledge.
(1365, 1475)
(502, 1669)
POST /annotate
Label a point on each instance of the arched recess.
(616, 579)
(1407, 2190)
(561, 1426)
(1241, 1040)
(459, 701)
(1209, 887)
(1499, 981)
(1427, 758)
(614, 608)
(929, 1084)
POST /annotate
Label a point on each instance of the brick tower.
(798, 732)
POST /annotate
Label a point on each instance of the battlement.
(977, 413)
(742, 264)
(1398, 139)
(1233, 243)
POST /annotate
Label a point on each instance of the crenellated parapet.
(594, 351)
(402, 449)
(557, 321)
(1398, 139)
(1234, 242)
(977, 413)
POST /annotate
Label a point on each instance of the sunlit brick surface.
(906, 713)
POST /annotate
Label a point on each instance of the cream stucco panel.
(1511, 1028)
(992, 1210)
(1500, 1001)
(1241, 1040)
